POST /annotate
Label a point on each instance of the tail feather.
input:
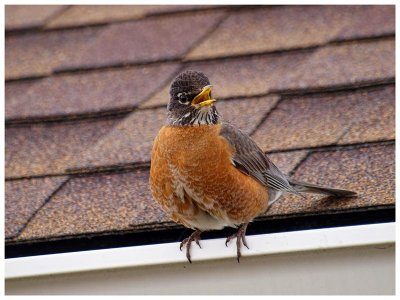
(318, 189)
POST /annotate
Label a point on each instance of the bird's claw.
(195, 236)
(240, 238)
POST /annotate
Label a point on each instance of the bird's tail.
(304, 187)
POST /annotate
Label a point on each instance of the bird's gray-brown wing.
(251, 160)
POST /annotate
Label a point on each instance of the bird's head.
(190, 101)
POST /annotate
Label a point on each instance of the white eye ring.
(183, 98)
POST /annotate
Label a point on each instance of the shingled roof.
(87, 86)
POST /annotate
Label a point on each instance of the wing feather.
(251, 160)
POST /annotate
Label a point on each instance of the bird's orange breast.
(192, 171)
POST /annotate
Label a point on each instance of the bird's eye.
(183, 98)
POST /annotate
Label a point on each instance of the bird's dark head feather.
(190, 100)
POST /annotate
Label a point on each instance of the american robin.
(206, 174)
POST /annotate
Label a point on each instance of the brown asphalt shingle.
(284, 27)
(247, 76)
(160, 98)
(369, 171)
(375, 120)
(368, 21)
(318, 120)
(297, 123)
(40, 149)
(270, 29)
(88, 93)
(343, 65)
(37, 54)
(27, 16)
(287, 161)
(23, 198)
(131, 141)
(145, 41)
(13, 92)
(91, 204)
(246, 113)
(79, 15)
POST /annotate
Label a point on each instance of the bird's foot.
(240, 237)
(195, 236)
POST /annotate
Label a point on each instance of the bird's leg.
(240, 237)
(195, 236)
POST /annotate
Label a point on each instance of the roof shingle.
(145, 41)
(286, 27)
(108, 202)
(369, 171)
(23, 198)
(270, 29)
(13, 92)
(375, 120)
(88, 93)
(37, 54)
(297, 122)
(287, 161)
(41, 149)
(28, 16)
(368, 21)
(79, 15)
(343, 65)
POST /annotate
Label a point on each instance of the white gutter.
(163, 254)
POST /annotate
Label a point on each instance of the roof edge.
(164, 254)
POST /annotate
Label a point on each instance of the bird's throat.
(207, 115)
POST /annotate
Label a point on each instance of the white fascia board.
(164, 254)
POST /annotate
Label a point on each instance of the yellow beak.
(204, 97)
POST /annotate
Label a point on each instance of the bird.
(206, 174)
